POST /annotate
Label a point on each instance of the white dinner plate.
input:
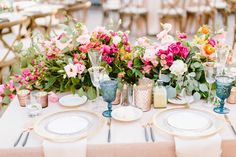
(68, 126)
(127, 113)
(72, 100)
(182, 101)
(188, 122)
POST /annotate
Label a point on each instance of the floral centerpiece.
(61, 63)
(7, 92)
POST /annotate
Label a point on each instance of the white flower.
(116, 40)
(71, 70)
(83, 39)
(178, 68)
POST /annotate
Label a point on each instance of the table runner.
(121, 145)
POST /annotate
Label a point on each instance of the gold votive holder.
(232, 97)
(23, 97)
(143, 97)
(42, 98)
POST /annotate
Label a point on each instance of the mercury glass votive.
(223, 88)
(42, 98)
(23, 96)
(143, 97)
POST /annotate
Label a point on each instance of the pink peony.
(146, 69)
(130, 64)
(80, 67)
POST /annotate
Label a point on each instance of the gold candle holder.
(143, 97)
(232, 97)
(23, 97)
(42, 98)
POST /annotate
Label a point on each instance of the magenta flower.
(160, 52)
(182, 35)
(105, 49)
(114, 48)
(212, 42)
(26, 72)
(184, 52)
(169, 59)
(128, 49)
(108, 59)
(174, 48)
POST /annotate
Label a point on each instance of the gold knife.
(232, 127)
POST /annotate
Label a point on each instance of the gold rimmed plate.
(68, 126)
(188, 122)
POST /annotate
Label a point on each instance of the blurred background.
(20, 20)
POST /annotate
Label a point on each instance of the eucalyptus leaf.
(203, 87)
(165, 78)
(171, 92)
(192, 74)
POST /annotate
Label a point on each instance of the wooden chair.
(174, 10)
(222, 8)
(8, 56)
(199, 11)
(110, 7)
(232, 4)
(135, 10)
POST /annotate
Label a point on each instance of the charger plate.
(188, 122)
(68, 126)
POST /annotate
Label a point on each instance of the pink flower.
(26, 72)
(163, 56)
(169, 59)
(128, 49)
(182, 35)
(146, 69)
(2, 88)
(212, 42)
(53, 97)
(71, 70)
(83, 39)
(154, 62)
(83, 48)
(105, 49)
(160, 52)
(108, 59)
(75, 58)
(114, 48)
(174, 48)
(80, 67)
(130, 64)
(184, 52)
(125, 39)
(11, 96)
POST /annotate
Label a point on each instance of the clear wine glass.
(210, 71)
(222, 55)
(97, 73)
(94, 57)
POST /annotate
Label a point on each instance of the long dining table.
(127, 139)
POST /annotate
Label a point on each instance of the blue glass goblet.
(108, 89)
(223, 88)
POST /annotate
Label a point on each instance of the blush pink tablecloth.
(127, 138)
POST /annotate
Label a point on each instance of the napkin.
(52, 149)
(202, 147)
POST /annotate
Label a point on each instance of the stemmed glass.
(223, 88)
(210, 74)
(222, 55)
(97, 73)
(108, 88)
(94, 57)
